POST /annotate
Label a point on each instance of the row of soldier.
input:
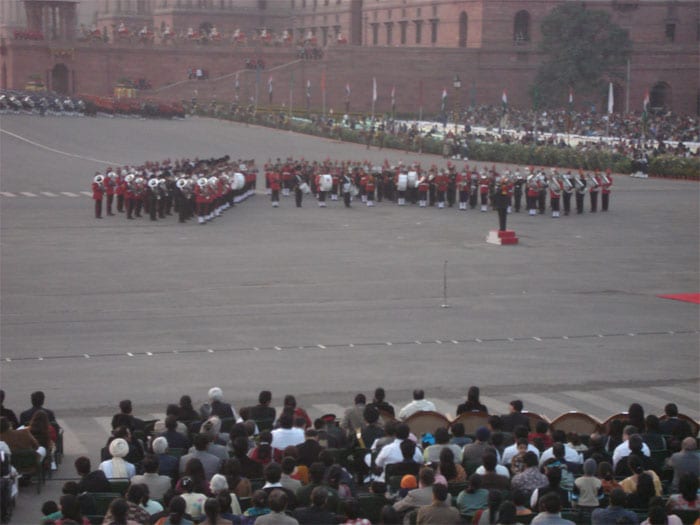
(201, 187)
(441, 187)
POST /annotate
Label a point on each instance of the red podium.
(502, 237)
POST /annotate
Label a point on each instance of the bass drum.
(412, 179)
(326, 183)
(238, 181)
(402, 183)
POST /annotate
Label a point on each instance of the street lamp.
(457, 84)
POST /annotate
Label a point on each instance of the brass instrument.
(567, 184)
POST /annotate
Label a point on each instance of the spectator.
(371, 430)
(531, 477)
(439, 511)
(419, 404)
(472, 403)
(490, 514)
(644, 492)
(687, 499)
(541, 437)
(653, 436)
(392, 453)
(90, 481)
(289, 465)
(635, 417)
(177, 513)
(473, 498)
(672, 425)
(615, 512)
(629, 484)
(219, 485)
(453, 472)
(554, 485)
(186, 412)
(210, 462)
(317, 511)
(118, 514)
(176, 432)
(167, 465)
(379, 402)
(442, 441)
(685, 461)
(286, 435)
(217, 406)
(151, 506)
(133, 511)
(212, 513)
(290, 402)
(259, 506)
(157, 484)
(515, 418)
(273, 475)
(125, 418)
(194, 500)
(493, 475)
(474, 452)
(261, 411)
(6, 412)
(606, 477)
(588, 488)
(458, 436)
(117, 467)
(249, 468)
(19, 439)
(421, 496)
(238, 484)
(277, 501)
(623, 449)
(37, 400)
(550, 512)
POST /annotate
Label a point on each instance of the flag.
(645, 109)
(504, 101)
(611, 98)
(308, 89)
(374, 89)
(393, 98)
(347, 91)
(571, 97)
(443, 104)
(269, 89)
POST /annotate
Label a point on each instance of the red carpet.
(687, 297)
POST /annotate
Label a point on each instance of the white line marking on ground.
(28, 194)
(42, 146)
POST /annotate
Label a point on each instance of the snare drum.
(304, 187)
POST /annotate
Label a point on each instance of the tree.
(584, 50)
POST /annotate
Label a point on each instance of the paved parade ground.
(325, 303)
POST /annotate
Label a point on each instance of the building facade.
(415, 46)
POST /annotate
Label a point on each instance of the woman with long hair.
(176, 513)
(453, 472)
(212, 513)
(472, 403)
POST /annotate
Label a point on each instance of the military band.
(206, 188)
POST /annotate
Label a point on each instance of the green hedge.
(676, 167)
(549, 156)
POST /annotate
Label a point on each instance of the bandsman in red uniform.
(120, 190)
(462, 186)
(97, 193)
(441, 183)
(555, 191)
(484, 190)
(423, 188)
(275, 186)
(532, 193)
(369, 189)
(110, 187)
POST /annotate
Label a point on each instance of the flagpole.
(323, 89)
(374, 95)
(291, 94)
(420, 100)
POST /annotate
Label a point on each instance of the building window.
(521, 28)
(375, 34)
(670, 32)
(403, 32)
(463, 22)
(388, 14)
(434, 10)
(419, 31)
(433, 31)
(324, 36)
(660, 96)
(389, 33)
(418, 12)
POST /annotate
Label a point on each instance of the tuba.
(555, 185)
(566, 182)
(99, 180)
(579, 183)
(605, 181)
